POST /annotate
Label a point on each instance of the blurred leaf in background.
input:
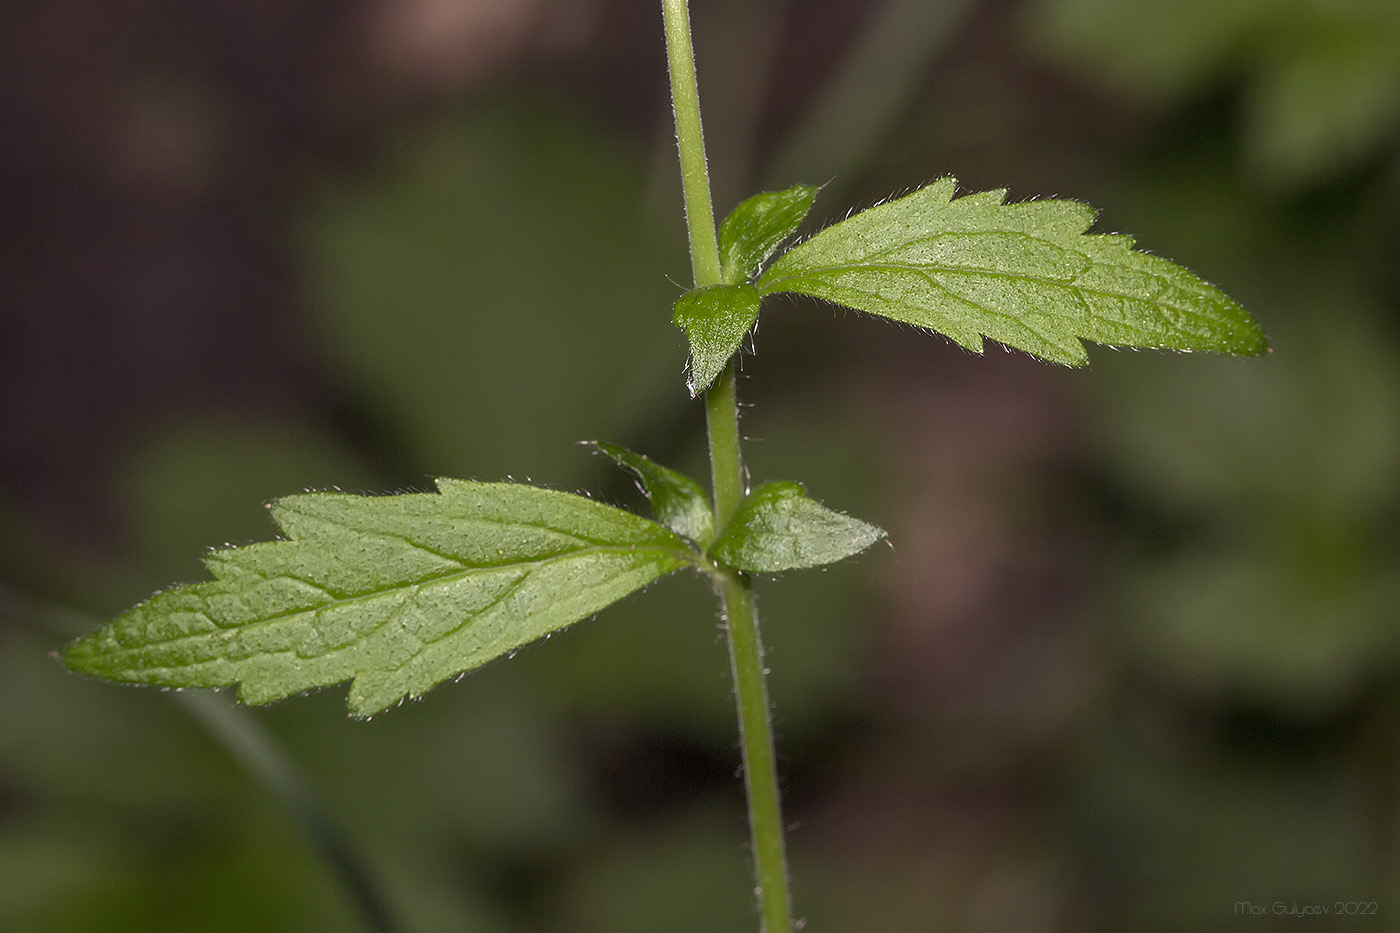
(1287, 590)
(1320, 91)
(202, 483)
(488, 288)
(1251, 539)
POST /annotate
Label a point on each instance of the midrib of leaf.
(927, 271)
(968, 332)
(413, 587)
(927, 274)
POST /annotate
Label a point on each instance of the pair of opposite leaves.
(399, 593)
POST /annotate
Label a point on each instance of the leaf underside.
(1026, 275)
(715, 320)
(398, 593)
(778, 527)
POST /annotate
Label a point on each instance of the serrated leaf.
(678, 501)
(1025, 275)
(758, 226)
(715, 320)
(397, 593)
(778, 527)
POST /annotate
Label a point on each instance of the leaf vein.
(927, 273)
(416, 585)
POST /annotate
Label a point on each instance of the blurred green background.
(1132, 661)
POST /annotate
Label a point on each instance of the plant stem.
(726, 463)
(690, 140)
(727, 476)
(760, 761)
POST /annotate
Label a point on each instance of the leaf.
(397, 592)
(1025, 275)
(677, 500)
(715, 320)
(758, 226)
(778, 527)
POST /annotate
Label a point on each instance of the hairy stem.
(727, 475)
(760, 761)
(690, 140)
(726, 462)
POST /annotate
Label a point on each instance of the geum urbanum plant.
(398, 593)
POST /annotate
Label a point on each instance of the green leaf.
(715, 320)
(677, 500)
(1025, 275)
(397, 592)
(777, 527)
(757, 227)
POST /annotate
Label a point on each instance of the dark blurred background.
(1132, 661)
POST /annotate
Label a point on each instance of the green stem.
(690, 140)
(760, 761)
(727, 475)
(726, 463)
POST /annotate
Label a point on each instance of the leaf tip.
(77, 655)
